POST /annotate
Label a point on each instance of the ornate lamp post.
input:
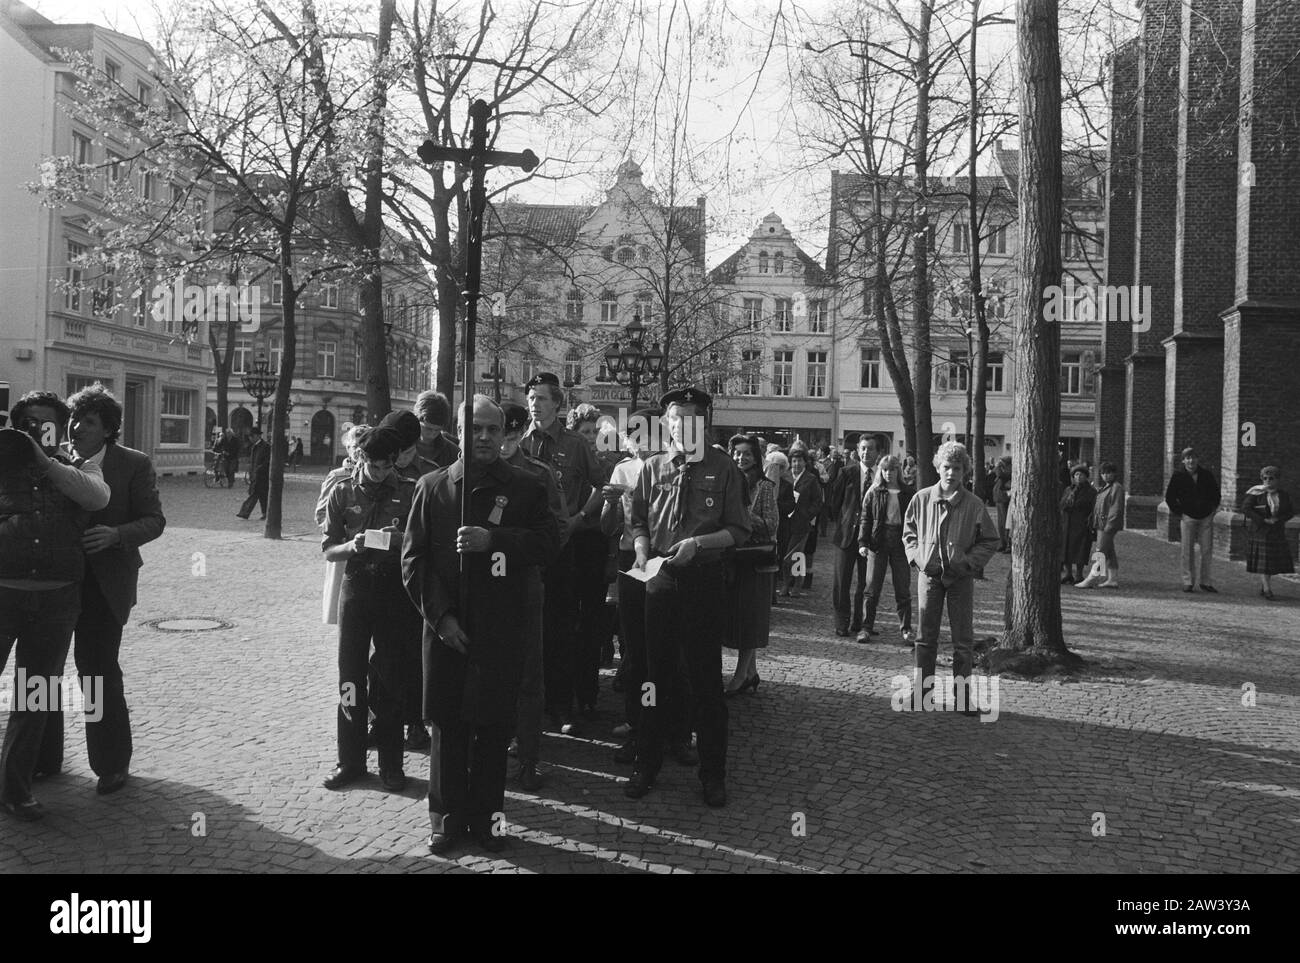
(260, 383)
(631, 365)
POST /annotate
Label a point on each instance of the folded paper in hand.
(378, 538)
(651, 570)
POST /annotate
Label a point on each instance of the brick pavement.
(234, 730)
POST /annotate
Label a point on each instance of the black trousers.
(97, 643)
(256, 495)
(41, 623)
(467, 776)
(559, 631)
(685, 619)
(846, 596)
(632, 634)
(590, 549)
(373, 606)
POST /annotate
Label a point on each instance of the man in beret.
(461, 578)
(688, 508)
(532, 693)
(572, 462)
(373, 605)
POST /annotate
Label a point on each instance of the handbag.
(760, 555)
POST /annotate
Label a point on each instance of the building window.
(359, 358)
(762, 262)
(326, 352)
(530, 369)
(573, 307)
(199, 213)
(388, 307)
(783, 373)
(74, 275)
(242, 356)
(102, 298)
(115, 162)
(716, 377)
(1079, 306)
(148, 186)
(140, 308)
(626, 255)
(81, 149)
(175, 428)
(870, 368)
(642, 307)
(143, 92)
(274, 346)
(998, 240)
(573, 367)
(1072, 374)
(960, 237)
(816, 374)
(993, 372)
(330, 296)
(783, 315)
(751, 372)
(817, 317)
(77, 382)
(609, 308)
(752, 313)
(778, 263)
(950, 375)
(277, 291)
(112, 72)
(401, 313)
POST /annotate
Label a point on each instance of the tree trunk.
(1035, 514)
(280, 415)
(221, 365)
(978, 407)
(888, 328)
(926, 474)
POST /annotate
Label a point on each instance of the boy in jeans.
(949, 538)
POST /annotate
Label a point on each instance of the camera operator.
(46, 500)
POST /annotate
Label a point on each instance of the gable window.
(783, 315)
(762, 262)
(778, 263)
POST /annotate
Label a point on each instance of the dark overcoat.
(480, 687)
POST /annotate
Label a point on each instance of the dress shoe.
(111, 783)
(489, 842)
(238, 515)
(417, 738)
(865, 636)
(715, 793)
(1189, 588)
(342, 776)
(568, 727)
(530, 780)
(640, 784)
(394, 780)
(682, 754)
(29, 810)
(625, 755)
(750, 683)
(441, 843)
(1209, 588)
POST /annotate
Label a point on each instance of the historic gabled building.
(866, 398)
(63, 325)
(563, 281)
(775, 372)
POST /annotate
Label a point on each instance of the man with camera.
(46, 500)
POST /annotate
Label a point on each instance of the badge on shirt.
(494, 517)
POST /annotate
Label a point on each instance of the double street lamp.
(260, 383)
(630, 364)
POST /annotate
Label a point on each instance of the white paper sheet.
(651, 570)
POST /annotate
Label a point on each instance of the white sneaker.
(1090, 582)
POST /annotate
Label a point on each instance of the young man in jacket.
(850, 484)
(949, 538)
(1194, 494)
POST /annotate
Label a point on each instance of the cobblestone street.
(234, 730)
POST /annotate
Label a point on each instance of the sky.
(744, 111)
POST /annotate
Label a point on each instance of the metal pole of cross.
(478, 159)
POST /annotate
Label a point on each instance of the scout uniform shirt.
(677, 498)
(572, 461)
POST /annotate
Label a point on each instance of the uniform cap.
(515, 417)
(688, 395)
(542, 378)
(405, 424)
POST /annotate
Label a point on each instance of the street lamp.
(260, 383)
(631, 365)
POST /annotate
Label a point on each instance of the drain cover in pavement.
(187, 624)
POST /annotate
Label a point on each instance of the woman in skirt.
(754, 579)
(1267, 509)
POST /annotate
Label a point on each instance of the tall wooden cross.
(478, 159)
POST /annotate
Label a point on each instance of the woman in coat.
(1107, 521)
(750, 598)
(880, 541)
(1267, 509)
(807, 490)
(777, 469)
(1076, 519)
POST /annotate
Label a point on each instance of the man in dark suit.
(846, 508)
(476, 624)
(259, 469)
(112, 543)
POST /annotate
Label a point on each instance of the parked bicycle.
(215, 476)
